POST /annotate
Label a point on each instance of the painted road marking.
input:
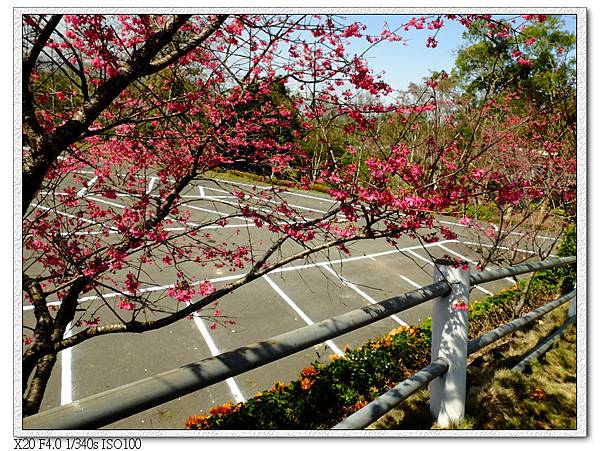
(193, 224)
(406, 279)
(239, 276)
(235, 390)
(293, 193)
(361, 293)
(512, 282)
(151, 184)
(472, 243)
(299, 311)
(66, 371)
(212, 211)
(87, 186)
(483, 290)
(62, 213)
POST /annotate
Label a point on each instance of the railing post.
(449, 327)
(573, 306)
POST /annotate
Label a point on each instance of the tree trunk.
(523, 298)
(32, 400)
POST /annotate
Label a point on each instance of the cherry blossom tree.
(122, 115)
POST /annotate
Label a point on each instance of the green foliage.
(335, 390)
(490, 64)
(567, 247)
(482, 212)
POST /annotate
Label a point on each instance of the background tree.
(535, 60)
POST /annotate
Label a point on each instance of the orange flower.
(309, 371)
(359, 405)
(539, 394)
(196, 422)
(222, 410)
(277, 387)
(305, 384)
(333, 357)
(397, 330)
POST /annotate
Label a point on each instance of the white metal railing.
(447, 373)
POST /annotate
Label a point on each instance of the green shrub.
(568, 247)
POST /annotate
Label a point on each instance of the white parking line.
(193, 224)
(193, 207)
(217, 190)
(477, 287)
(411, 282)
(88, 185)
(66, 373)
(299, 207)
(102, 201)
(235, 390)
(358, 257)
(299, 311)
(266, 210)
(151, 184)
(472, 243)
(275, 271)
(361, 293)
(293, 193)
(197, 197)
(239, 276)
(323, 199)
(512, 282)
(62, 213)
(541, 237)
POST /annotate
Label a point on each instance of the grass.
(543, 397)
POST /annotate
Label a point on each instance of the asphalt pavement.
(325, 285)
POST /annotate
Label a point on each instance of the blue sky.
(404, 64)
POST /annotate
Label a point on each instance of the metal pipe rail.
(543, 347)
(112, 405)
(523, 268)
(516, 324)
(390, 399)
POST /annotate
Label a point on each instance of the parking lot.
(303, 292)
